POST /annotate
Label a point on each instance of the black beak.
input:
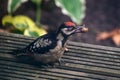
(81, 29)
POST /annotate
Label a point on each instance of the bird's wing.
(41, 45)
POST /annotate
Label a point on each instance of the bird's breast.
(57, 48)
(52, 56)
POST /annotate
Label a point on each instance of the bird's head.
(69, 28)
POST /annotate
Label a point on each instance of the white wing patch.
(42, 43)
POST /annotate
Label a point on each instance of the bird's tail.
(20, 52)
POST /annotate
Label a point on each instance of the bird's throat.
(62, 38)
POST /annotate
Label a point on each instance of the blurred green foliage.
(24, 24)
(13, 5)
(75, 9)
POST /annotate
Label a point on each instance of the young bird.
(49, 48)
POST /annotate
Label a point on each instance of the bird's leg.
(61, 61)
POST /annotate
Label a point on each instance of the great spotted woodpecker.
(49, 48)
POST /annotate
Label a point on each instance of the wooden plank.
(83, 61)
(33, 69)
(49, 74)
(94, 46)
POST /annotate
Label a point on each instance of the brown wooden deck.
(83, 62)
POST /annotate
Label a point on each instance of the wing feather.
(41, 45)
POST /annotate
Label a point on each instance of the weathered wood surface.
(83, 61)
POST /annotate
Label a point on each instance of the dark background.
(101, 15)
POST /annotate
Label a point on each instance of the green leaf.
(23, 24)
(73, 8)
(36, 32)
(40, 31)
(7, 20)
(30, 33)
(14, 4)
(20, 22)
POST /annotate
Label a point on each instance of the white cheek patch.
(65, 30)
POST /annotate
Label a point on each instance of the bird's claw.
(61, 62)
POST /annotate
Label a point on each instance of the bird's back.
(42, 44)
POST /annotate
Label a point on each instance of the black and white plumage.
(49, 48)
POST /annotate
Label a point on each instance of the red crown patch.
(69, 24)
